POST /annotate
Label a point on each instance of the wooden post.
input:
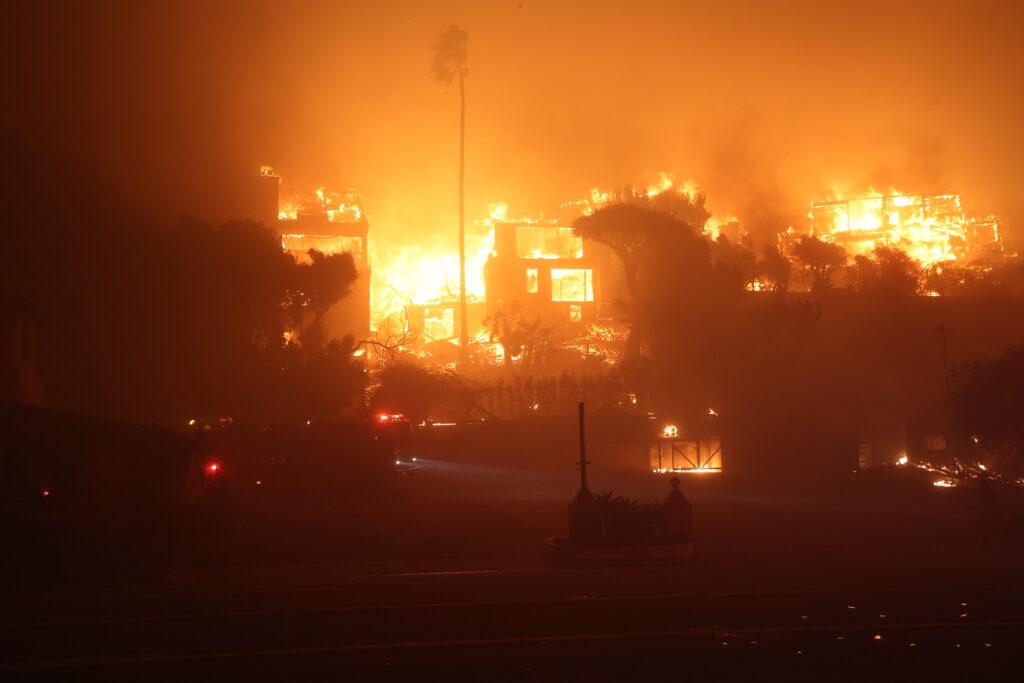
(585, 524)
(583, 451)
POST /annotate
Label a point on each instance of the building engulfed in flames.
(543, 271)
(532, 270)
(930, 228)
(540, 274)
(330, 223)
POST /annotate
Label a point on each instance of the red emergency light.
(212, 468)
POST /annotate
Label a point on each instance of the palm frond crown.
(450, 55)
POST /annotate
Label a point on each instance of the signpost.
(584, 517)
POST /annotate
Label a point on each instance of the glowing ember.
(960, 471)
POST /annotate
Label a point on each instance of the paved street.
(941, 613)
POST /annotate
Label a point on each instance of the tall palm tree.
(450, 62)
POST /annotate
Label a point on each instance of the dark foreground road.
(939, 614)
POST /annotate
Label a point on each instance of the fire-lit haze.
(442, 340)
(768, 106)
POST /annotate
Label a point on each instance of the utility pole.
(463, 322)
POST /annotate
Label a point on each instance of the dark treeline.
(989, 402)
(422, 394)
(158, 319)
(855, 360)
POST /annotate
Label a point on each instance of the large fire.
(404, 275)
(930, 228)
(650, 186)
(338, 207)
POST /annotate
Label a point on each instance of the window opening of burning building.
(548, 242)
(532, 281)
(550, 272)
(572, 284)
(439, 322)
(299, 244)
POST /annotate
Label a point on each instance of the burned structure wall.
(551, 273)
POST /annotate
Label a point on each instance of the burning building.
(542, 269)
(524, 272)
(930, 228)
(330, 223)
(550, 272)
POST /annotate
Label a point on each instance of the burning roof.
(337, 207)
(930, 228)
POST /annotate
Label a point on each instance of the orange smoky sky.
(766, 105)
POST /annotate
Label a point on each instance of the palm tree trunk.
(463, 326)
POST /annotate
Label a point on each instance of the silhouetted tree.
(683, 207)
(889, 271)
(327, 279)
(947, 279)
(773, 270)
(655, 249)
(988, 404)
(415, 391)
(976, 279)
(159, 321)
(316, 287)
(318, 381)
(821, 259)
(636, 234)
(737, 258)
(451, 62)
